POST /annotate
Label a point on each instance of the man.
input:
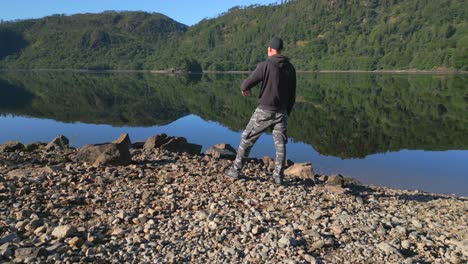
(275, 102)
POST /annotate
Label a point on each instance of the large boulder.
(11, 146)
(155, 141)
(115, 153)
(301, 170)
(172, 144)
(222, 151)
(59, 142)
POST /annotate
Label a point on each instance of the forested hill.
(319, 35)
(115, 40)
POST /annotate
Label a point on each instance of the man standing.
(275, 102)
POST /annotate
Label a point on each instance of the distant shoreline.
(409, 71)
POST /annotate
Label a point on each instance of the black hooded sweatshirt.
(278, 88)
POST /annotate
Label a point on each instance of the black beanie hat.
(276, 43)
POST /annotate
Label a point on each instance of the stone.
(34, 146)
(11, 146)
(124, 141)
(302, 170)
(33, 174)
(118, 232)
(317, 245)
(335, 189)
(310, 259)
(59, 142)
(116, 153)
(63, 231)
(155, 141)
(229, 251)
(405, 244)
(29, 252)
(180, 145)
(388, 249)
(6, 250)
(222, 151)
(33, 225)
(138, 145)
(416, 223)
(172, 144)
(201, 215)
(335, 180)
(76, 242)
(13, 237)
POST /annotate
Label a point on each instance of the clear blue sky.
(188, 12)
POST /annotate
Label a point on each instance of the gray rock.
(63, 231)
(59, 142)
(222, 151)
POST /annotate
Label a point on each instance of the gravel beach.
(168, 206)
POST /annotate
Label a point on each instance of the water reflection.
(342, 115)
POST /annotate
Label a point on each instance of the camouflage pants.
(260, 121)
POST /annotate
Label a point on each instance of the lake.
(397, 130)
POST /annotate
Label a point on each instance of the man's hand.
(245, 93)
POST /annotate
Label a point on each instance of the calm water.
(405, 131)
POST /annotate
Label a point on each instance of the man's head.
(275, 46)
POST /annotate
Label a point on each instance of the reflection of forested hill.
(345, 115)
(97, 98)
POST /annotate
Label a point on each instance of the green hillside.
(319, 35)
(110, 40)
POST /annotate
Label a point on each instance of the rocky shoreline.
(162, 201)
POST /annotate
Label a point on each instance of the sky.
(188, 12)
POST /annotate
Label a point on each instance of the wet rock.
(302, 170)
(11, 146)
(59, 142)
(222, 151)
